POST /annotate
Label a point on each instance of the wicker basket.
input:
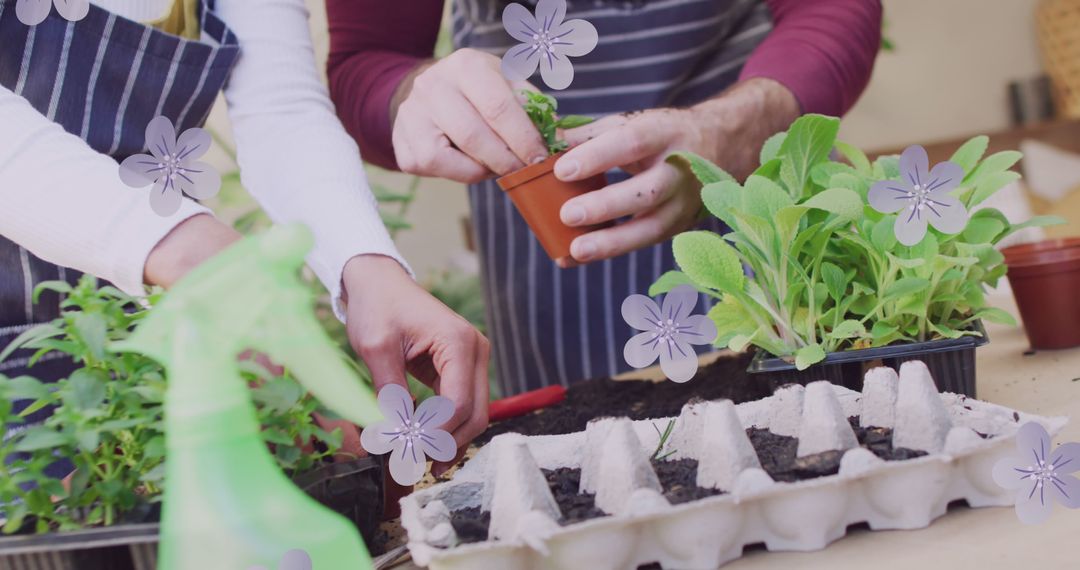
(1059, 36)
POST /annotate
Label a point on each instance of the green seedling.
(659, 454)
(541, 109)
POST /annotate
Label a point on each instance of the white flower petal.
(1033, 505)
(697, 329)
(396, 404)
(575, 38)
(945, 177)
(678, 361)
(199, 180)
(1065, 489)
(679, 303)
(160, 137)
(32, 12)
(165, 198)
(438, 445)
(1032, 441)
(192, 144)
(947, 214)
(550, 13)
(73, 10)
(1008, 472)
(910, 226)
(407, 464)
(520, 23)
(641, 350)
(1066, 458)
(888, 196)
(641, 312)
(556, 70)
(379, 438)
(434, 412)
(140, 170)
(519, 62)
(914, 165)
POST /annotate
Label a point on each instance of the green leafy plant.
(541, 109)
(107, 418)
(659, 454)
(825, 270)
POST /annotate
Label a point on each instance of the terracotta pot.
(539, 196)
(1024, 251)
(1045, 283)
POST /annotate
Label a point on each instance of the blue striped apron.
(103, 79)
(556, 326)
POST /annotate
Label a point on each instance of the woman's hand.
(397, 326)
(459, 118)
(664, 200)
(190, 243)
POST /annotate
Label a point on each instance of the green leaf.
(731, 320)
(823, 173)
(997, 162)
(30, 337)
(882, 329)
(968, 155)
(1036, 222)
(771, 148)
(905, 287)
(707, 259)
(883, 236)
(856, 157)
(809, 355)
(669, 281)
(834, 279)
(982, 230)
(39, 437)
(808, 142)
(720, 198)
(91, 329)
(845, 203)
(848, 329)
(994, 315)
(705, 171)
(23, 388)
(887, 166)
(85, 389)
(988, 185)
(763, 197)
(573, 121)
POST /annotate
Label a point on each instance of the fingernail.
(583, 250)
(438, 470)
(538, 159)
(565, 169)
(573, 215)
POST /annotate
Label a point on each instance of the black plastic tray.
(951, 362)
(354, 489)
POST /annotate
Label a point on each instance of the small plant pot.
(1017, 253)
(1045, 283)
(951, 362)
(353, 489)
(539, 196)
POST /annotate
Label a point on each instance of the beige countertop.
(1045, 383)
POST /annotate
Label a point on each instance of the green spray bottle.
(227, 505)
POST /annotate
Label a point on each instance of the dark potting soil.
(678, 478)
(635, 399)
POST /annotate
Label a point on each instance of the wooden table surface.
(1045, 383)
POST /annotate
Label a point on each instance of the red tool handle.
(522, 404)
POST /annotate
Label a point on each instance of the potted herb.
(849, 263)
(536, 192)
(107, 423)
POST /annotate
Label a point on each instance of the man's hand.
(397, 326)
(459, 118)
(664, 200)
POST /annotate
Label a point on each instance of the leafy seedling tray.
(353, 489)
(951, 362)
(792, 471)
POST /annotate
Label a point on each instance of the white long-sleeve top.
(65, 202)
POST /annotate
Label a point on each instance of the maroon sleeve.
(823, 51)
(373, 46)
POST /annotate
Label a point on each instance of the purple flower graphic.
(546, 41)
(172, 167)
(669, 332)
(296, 559)
(1039, 474)
(921, 196)
(34, 12)
(408, 436)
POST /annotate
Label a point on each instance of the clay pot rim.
(1050, 261)
(528, 173)
(1022, 252)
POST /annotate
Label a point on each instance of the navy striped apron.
(103, 79)
(555, 326)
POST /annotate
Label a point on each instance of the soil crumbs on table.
(635, 399)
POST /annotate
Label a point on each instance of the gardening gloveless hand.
(662, 199)
(459, 118)
(397, 326)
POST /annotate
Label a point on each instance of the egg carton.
(962, 437)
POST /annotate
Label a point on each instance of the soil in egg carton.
(677, 477)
